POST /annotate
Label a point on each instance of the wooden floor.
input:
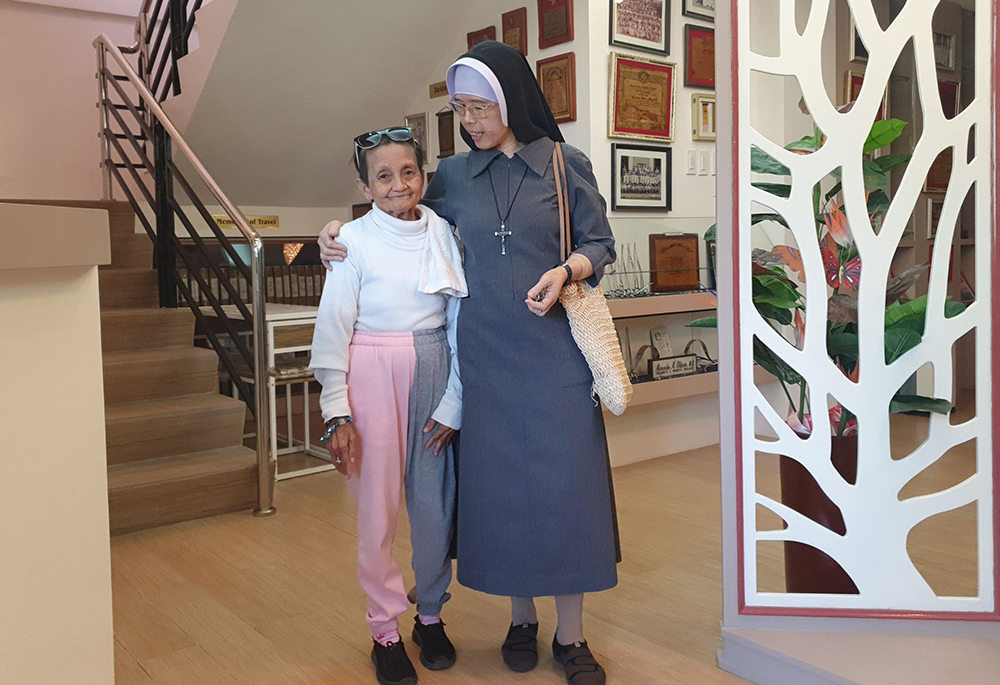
(240, 600)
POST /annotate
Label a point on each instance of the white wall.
(49, 147)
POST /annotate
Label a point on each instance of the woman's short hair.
(360, 161)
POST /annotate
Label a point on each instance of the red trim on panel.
(995, 363)
(734, 61)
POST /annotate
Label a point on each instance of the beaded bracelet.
(333, 424)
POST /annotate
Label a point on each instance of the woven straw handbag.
(589, 317)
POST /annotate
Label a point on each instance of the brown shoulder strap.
(562, 190)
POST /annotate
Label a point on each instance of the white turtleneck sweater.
(376, 289)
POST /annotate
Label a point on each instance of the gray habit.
(536, 510)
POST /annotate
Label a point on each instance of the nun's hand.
(546, 291)
(329, 249)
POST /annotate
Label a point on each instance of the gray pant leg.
(430, 482)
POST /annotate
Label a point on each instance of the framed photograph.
(699, 57)
(703, 116)
(934, 207)
(672, 367)
(446, 133)
(514, 29)
(555, 22)
(944, 51)
(939, 174)
(699, 9)
(659, 338)
(482, 35)
(359, 210)
(641, 177)
(852, 89)
(641, 98)
(673, 262)
(641, 25)
(858, 51)
(418, 124)
(557, 77)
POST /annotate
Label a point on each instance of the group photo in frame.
(641, 177)
(699, 56)
(514, 29)
(703, 116)
(557, 78)
(699, 9)
(944, 51)
(641, 98)
(641, 25)
(555, 22)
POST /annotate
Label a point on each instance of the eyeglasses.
(366, 141)
(478, 111)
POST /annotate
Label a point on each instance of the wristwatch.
(569, 272)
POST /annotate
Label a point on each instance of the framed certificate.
(699, 57)
(555, 22)
(641, 98)
(480, 36)
(557, 77)
(852, 90)
(418, 124)
(703, 116)
(641, 25)
(514, 27)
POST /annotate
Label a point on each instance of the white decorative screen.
(818, 289)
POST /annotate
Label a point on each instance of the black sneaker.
(581, 666)
(392, 666)
(436, 651)
(520, 649)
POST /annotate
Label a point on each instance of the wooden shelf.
(653, 305)
(685, 386)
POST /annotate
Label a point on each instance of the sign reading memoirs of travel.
(223, 221)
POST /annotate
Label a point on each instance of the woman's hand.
(329, 249)
(546, 291)
(344, 447)
(442, 436)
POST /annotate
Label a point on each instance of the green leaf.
(889, 162)
(898, 341)
(774, 364)
(777, 301)
(779, 189)
(805, 144)
(763, 163)
(901, 403)
(908, 312)
(762, 217)
(706, 322)
(875, 178)
(710, 234)
(842, 344)
(953, 309)
(781, 315)
(834, 190)
(878, 203)
(883, 133)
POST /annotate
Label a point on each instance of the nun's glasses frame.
(478, 111)
(372, 139)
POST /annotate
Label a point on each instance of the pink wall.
(48, 119)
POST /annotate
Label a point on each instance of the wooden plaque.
(555, 22)
(673, 262)
(446, 133)
(514, 25)
(482, 35)
(557, 77)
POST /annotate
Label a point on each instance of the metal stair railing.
(162, 34)
(138, 142)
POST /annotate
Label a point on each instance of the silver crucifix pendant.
(502, 234)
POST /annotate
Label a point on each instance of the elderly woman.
(536, 510)
(380, 352)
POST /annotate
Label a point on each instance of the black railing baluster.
(165, 256)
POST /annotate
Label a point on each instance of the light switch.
(711, 164)
(691, 162)
(703, 157)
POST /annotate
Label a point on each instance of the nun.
(536, 513)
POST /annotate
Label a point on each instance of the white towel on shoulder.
(441, 263)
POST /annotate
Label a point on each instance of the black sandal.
(520, 649)
(581, 666)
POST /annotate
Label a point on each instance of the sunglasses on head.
(367, 141)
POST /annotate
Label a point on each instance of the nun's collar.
(536, 154)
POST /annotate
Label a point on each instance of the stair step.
(170, 426)
(126, 330)
(128, 288)
(184, 487)
(131, 251)
(152, 374)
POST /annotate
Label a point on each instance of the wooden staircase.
(175, 449)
